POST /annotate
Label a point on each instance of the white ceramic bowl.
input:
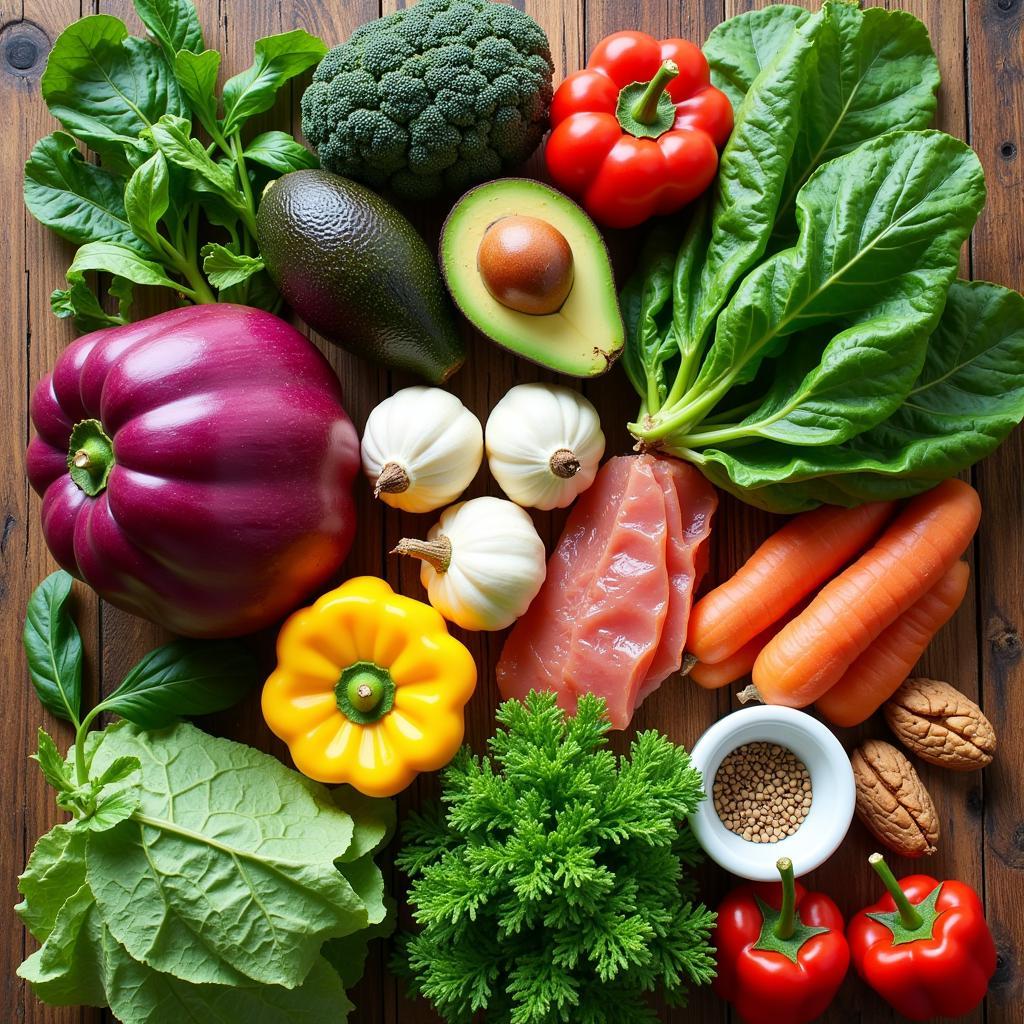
(831, 785)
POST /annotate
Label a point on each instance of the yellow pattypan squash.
(369, 688)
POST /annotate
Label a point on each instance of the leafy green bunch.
(805, 339)
(141, 212)
(198, 878)
(554, 885)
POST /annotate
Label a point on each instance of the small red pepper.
(782, 954)
(637, 132)
(924, 947)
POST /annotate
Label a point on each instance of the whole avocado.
(357, 272)
(433, 98)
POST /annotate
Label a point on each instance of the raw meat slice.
(536, 649)
(690, 503)
(618, 623)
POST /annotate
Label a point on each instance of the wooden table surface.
(980, 44)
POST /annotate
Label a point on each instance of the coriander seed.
(762, 792)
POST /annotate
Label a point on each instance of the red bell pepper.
(924, 947)
(637, 132)
(782, 954)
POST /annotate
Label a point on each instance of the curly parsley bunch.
(554, 884)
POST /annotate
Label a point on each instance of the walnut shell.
(943, 727)
(892, 801)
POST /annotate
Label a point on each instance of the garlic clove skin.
(496, 563)
(423, 446)
(544, 445)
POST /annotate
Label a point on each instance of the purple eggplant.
(196, 468)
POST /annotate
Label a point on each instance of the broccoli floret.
(432, 99)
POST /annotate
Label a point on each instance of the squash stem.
(436, 553)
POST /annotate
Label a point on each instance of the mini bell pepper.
(637, 132)
(782, 954)
(924, 947)
(369, 689)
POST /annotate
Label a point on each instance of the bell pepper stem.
(910, 918)
(436, 553)
(786, 924)
(646, 109)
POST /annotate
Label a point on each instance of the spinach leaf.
(197, 75)
(213, 809)
(66, 969)
(147, 198)
(174, 24)
(173, 137)
(278, 59)
(120, 261)
(53, 647)
(280, 152)
(881, 231)
(225, 268)
(184, 677)
(105, 86)
(55, 871)
(78, 200)
(740, 48)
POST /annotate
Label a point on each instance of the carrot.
(792, 563)
(811, 654)
(877, 674)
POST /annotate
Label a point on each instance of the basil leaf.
(53, 646)
(174, 24)
(78, 200)
(215, 810)
(51, 762)
(739, 48)
(225, 268)
(147, 197)
(197, 75)
(280, 152)
(55, 871)
(278, 59)
(116, 259)
(185, 677)
(881, 231)
(66, 969)
(105, 86)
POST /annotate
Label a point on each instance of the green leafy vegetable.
(802, 355)
(133, 101)
(53, 647)
(554, 885)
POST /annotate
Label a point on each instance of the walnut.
(892, 801)
(943, 727)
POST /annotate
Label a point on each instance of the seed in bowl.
(762, 792)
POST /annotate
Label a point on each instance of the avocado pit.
(526, 264)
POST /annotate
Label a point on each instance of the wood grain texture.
(981, 50)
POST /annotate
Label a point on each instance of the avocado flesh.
(585, 336)
(355, 269)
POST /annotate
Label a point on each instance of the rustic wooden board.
(981, 49)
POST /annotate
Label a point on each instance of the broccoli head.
(433, 98)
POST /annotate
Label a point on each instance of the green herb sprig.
(554, 885)
(140, 214)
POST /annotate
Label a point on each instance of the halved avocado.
(585, 335)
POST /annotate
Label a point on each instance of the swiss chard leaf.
(280, 152)
(213, 809)
(53, 647)
(105, 86)
(174, 24)
(225, 268)
(277, 59)
(881, 231)
(185, 677)
(78, 200)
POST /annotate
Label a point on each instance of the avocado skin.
(355, 269)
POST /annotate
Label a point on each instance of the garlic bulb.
(421, 448)
(483, 563)
(544, 443)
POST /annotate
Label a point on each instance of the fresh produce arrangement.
(798, 337)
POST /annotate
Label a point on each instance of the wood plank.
(996, 114)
